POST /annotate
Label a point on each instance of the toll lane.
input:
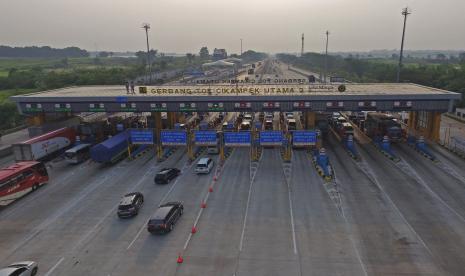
(323, 242)
(437, 229)
(446, 188)
(149, 253)
(214, 249)
(451, 160)
(110, 238)
(385, 242)
(268, 247)
(69, 214)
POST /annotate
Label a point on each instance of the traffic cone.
(194, 230)
(210, 189)
(180, 259)
(203, 205)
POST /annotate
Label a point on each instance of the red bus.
(20, 179)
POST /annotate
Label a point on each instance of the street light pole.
(405, 13)
(326, 56)
(146, 26)
(241, 47)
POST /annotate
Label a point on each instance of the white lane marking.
(58, 213)
(54, 267)
(58, 183)
(111, 211)
(291, 211)
(352, 241)
(217, 173)
(252, 180)
(427, 187)
(373, 178)
(185, 168)
(83, 239)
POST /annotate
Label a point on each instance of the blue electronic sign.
(140, 137)
(121, 99)
(237, 139)
(205, 137)
(173, 137)
(304, 137)
(271, 138)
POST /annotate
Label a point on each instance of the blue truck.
(111, 150)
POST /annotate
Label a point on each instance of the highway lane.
(386, 244)
(445, 187)
(144, 253)
(323, 241)
(23, 216)
(436, 227)
(214, 249)
(268, 247)
(102, 251)
(71, 211)
(451, 160)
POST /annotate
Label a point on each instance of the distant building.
(460, 112)
(219, 54)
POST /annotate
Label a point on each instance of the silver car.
(26, 268)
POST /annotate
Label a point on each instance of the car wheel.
(34, 271)
(171, 227)
(182, 211)
(35, 187)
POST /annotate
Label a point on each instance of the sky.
(182, 26)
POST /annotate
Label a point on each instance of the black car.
(165, 217)
(130, 204)
(166, 175)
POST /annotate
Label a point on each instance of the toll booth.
(424, 123)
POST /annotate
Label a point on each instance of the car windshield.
(156, 221)
(124, 207)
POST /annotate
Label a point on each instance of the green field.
(51, 64)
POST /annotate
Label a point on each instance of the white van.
(205, 165)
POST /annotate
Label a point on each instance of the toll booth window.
(423, 119)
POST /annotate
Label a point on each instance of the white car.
(26, 268)
(204, 165)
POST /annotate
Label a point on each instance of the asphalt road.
(261, 218)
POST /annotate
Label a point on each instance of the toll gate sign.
(271, 138)
(205, 138)
(304, 138)
(141, 137)
(173, 138)
(237, 139)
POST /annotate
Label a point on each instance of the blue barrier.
(350, 145)
(322, 162)
(384, 145)
(421, 146)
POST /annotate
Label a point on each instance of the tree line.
(41, 52)
(449, 76)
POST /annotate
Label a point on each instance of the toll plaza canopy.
(240, 97)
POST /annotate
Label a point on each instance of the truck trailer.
(44, 146)
(382, 124)
(111, 150)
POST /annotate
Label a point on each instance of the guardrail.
(457, 145)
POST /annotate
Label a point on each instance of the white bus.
(78, 153)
